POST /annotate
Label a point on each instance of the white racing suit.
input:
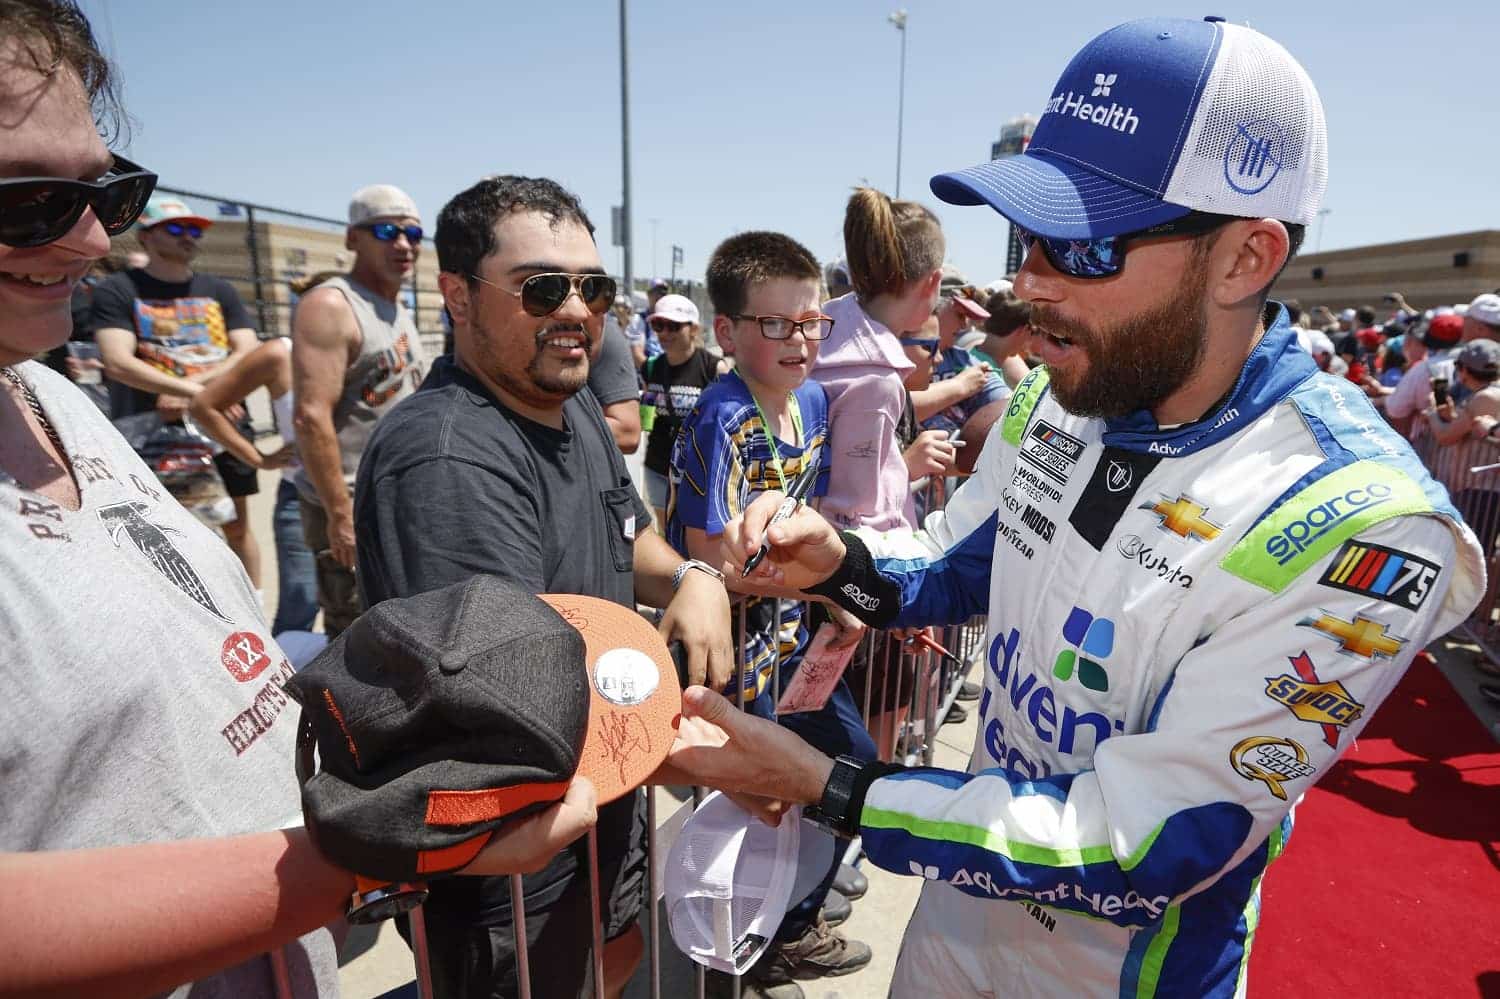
(1186, 628)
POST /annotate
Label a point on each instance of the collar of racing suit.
(1275, 366)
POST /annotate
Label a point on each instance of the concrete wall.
(1423, 270)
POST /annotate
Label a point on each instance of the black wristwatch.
(844, 794)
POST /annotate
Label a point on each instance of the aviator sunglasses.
(387, 232)
(543, 294)
(1105, 256)
(35, 211)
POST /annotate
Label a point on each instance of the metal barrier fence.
(908, 684)
(1470, 469)
(265, 251)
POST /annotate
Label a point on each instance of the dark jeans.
(837, 730)
(296, 570)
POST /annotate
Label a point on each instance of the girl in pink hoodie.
(895, 253)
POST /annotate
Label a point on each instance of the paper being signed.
(817, 676)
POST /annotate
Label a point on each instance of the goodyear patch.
(1327, 705)
(1387, 574)
(1321, 517)
(1026, 396)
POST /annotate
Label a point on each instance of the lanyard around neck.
(765, 424)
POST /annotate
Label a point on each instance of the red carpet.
(1390, 884)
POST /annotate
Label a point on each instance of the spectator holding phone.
(1426, 377)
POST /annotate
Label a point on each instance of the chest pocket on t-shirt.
(620, 523)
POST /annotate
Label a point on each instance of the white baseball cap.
(381, 201)
(1486, 309)
(731, 878)
(677, 308)
(1156, 118)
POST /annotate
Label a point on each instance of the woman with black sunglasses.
(151, 841)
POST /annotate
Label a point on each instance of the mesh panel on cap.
(693, 914)
(1254, 82)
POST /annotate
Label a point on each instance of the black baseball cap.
(439, 717)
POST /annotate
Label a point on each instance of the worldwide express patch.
(1315, 521)
(1387, 574)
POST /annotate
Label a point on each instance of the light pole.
(1323, 214)
(625, 154)
(899, 20)
(655, 263)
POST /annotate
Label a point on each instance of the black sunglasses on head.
(35, 211)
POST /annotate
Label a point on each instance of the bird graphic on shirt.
(129, 519)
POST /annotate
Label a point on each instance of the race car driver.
(1204, 562)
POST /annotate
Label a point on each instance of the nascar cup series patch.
(1387, 574)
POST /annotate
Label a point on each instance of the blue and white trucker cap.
(1156, 118)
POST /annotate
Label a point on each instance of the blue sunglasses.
(1105, 256)
(178, 228)
(387, 232)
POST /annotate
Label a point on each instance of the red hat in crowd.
(1444, 331)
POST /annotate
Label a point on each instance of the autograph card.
(815, 679)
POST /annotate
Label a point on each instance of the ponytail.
(889, 243)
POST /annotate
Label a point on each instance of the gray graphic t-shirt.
(143, 691)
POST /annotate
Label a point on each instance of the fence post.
(252, 242)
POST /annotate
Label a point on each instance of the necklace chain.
(35, 405)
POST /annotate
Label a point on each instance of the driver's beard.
(1138, 363)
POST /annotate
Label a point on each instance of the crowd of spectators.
(877, 379)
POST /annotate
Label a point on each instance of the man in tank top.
(355, 354)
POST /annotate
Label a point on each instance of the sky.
(751, 116)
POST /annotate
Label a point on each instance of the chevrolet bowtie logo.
(1184, 518)
(1364, 637)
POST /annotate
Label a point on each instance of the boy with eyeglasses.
(355, 355)
(674, 381)
(757, 429)
(164, 331)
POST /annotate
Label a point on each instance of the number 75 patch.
(1387, 574)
